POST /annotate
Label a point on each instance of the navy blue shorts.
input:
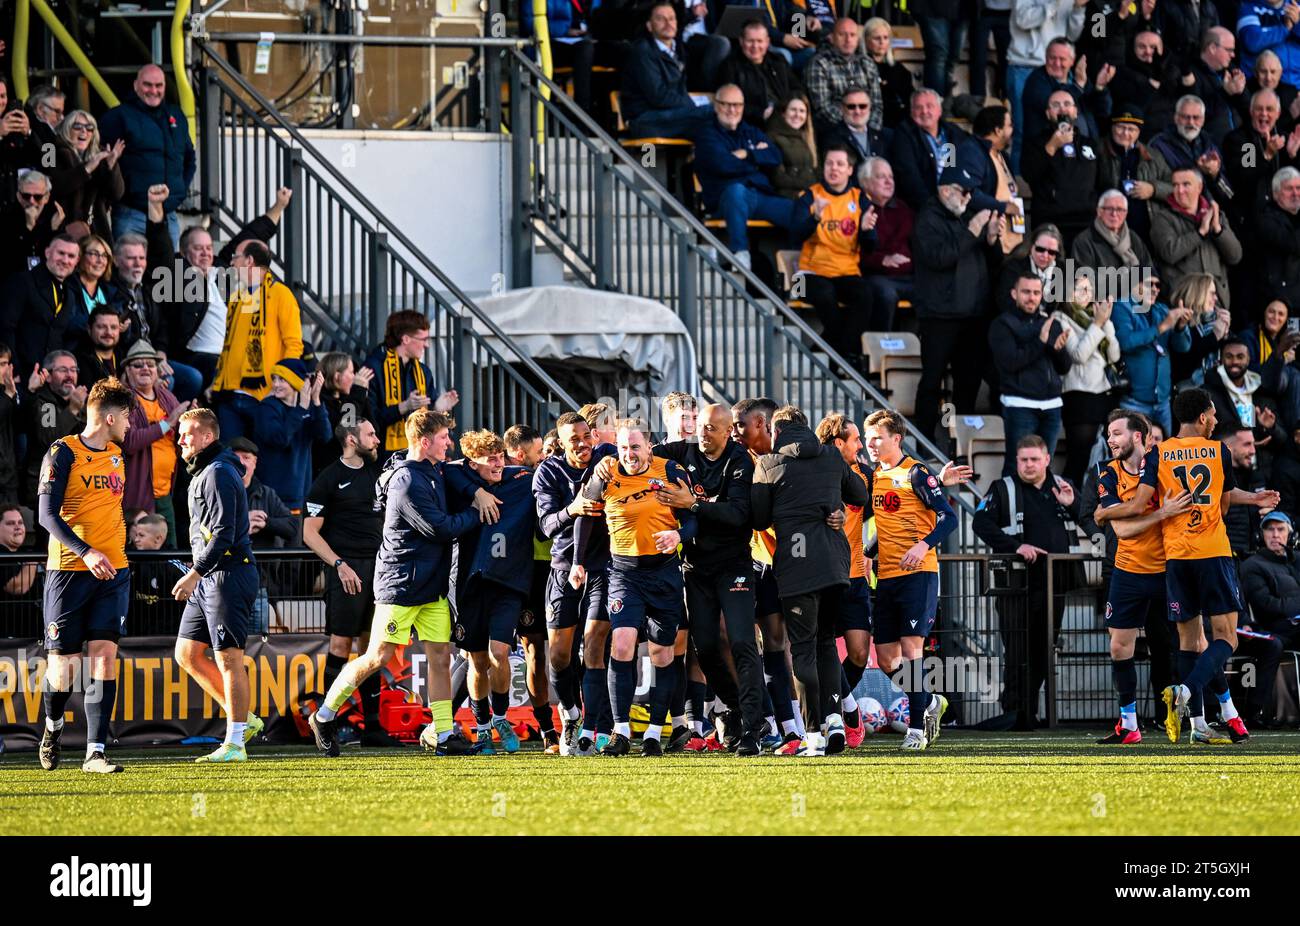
(855, 607)
(570, 607)
(1201, 587)
(767, 600)
(905, 606)
(1131, 597)
(485, 611)
(532, 619)
(651, 600)
(220, 612)
(79, 608)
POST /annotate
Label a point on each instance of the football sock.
(678, 721)
(545, 717)
(910, 677)
(559, 681)
(677, 699)
(92, 748)
(55, 703)
(624, 729)
(595, 694)
(482, 712)
(1227, 709)
(695, 704)
(1128, 716)
(1207, 664)
(779, 684)
(441, 713)
(500, 703)
(1125, 675)
(235, 732)
(789, 726)
(333, 666)
(1184, 662)
(662, 692)
(369, 690)
(622, 687)
(1199, 724)
(338, 695)
(852, 672)
(99, 709)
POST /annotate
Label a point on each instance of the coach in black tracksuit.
(718, 571)
(797, 488)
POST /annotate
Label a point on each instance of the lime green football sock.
(338, 695)
(441, 711)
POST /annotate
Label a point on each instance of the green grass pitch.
(969, 783)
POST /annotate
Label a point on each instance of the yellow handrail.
(542, 29)
(184, 92)
(65, 39)
(22, 21)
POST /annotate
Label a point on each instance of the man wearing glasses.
(45, 106)
(730, 159)
(150, 444)
(158, 151)
(855, 132)
(402, 383)
(28, 223)
(55, 408)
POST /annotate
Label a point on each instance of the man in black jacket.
(220, 589)
(655, 100)
(949, 253)
(8, 418)
(796, 489)
(922, 148)
(1060, 165)
(270, 522)
(1220, 86)
(195, 298)
(855, 131)
(54, 407)
(719, 577)
(28, 223)
(762, 75)
(43, 310)
(1029, 350)
(1270, 583)
(1030, 513)
(1277, 233)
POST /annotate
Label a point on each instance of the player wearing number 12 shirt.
(1200, 578)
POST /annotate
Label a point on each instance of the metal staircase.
(349, 266)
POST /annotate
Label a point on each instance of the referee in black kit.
(343, 528)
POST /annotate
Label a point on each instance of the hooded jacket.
(501, 552)
(414, 561)
(795, 489)
(219, 536)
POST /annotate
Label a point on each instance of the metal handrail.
(697, 244)
(386, 264)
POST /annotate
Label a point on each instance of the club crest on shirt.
(615, 605)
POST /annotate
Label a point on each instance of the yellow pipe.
(22, 19)
(184, 92)
(76, 54)
(542, 29)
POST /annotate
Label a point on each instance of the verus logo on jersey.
(103, 879)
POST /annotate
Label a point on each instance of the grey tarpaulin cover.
(578, 326)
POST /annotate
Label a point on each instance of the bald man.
(158, 151)
(719, 574)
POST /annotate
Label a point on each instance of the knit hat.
(292, 371)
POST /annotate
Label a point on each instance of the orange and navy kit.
(909, 506)
(855, 606)
(1137, 583)
(1200, 575)
(645, 585)
(80, 504)
(834, 249)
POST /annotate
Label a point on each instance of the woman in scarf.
(400, 382)
(1085, 389)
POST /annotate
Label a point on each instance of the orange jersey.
(853, 529)
(834, 249)
(633, 514)
(909, 506)
(1202, 468)
(1145, 553)
(87, 485)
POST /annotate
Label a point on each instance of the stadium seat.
(978, 434)
(896, 357)
(988, 469)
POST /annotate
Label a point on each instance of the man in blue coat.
(158, 150)
(730, 157)
(412, 577)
